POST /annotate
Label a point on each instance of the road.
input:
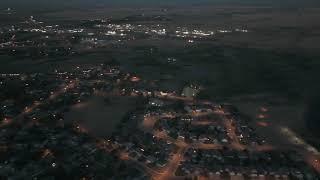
(19, 118)
(310, 154)
(168, 171)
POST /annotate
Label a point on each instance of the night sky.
(77, 3)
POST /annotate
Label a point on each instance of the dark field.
(224, 71)
(100, 118)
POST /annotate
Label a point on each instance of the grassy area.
(99, 117)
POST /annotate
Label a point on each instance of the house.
(156, 102)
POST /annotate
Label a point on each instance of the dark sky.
(40, 6)
(77, 3)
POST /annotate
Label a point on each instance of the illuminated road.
(235, 144)
(168, 172)
(172, 97)
(36, 104)
(310, 154)
(148, 122)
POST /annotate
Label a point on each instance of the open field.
(98, 117)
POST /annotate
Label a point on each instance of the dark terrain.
(275, 64)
